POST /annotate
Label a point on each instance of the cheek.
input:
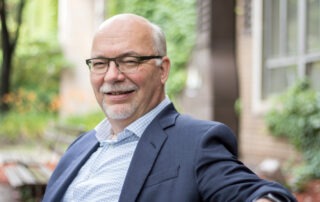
(96, 83)
(150, 83)
(145, 80)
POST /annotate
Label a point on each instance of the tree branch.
(19, 22)
(4, 28)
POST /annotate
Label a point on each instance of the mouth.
(118, 93)
(113, 93)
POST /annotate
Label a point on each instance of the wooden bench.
(31, 177)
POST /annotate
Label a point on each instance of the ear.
(165, 69)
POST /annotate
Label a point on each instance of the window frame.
(302, 58)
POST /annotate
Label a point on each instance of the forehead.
(124, 35)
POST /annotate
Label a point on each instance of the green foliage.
(40, 21)
(238, 106)
(38, 61)
(37, 66)
(177, 19)
(17, 127)
(34, 98)
(296, 116)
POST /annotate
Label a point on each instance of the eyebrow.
(129, 53)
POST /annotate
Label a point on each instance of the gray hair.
(159, 40)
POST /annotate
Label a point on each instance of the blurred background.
(251, 64)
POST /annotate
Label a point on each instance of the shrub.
(21, 127)
(34, 97)
(295, 115)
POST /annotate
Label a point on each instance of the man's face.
(126, 97)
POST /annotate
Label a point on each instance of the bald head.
(126, 18)
(134, 27)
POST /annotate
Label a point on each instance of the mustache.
(107, 88)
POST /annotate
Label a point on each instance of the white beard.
(119, 112)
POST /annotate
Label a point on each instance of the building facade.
(248, 51)
(78, 21)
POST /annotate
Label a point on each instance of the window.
(290, 44)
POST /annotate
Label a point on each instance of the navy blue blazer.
(177, 159)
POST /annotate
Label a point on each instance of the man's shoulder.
(184, 119)
(171, 112)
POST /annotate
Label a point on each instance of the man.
(145, 150)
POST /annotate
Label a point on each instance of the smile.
(114, 90)
(120, 92)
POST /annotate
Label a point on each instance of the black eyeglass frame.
(139, 58)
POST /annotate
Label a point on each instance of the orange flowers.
(24, 100)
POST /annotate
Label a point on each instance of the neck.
(119, 125)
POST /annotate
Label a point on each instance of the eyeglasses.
(125, 64)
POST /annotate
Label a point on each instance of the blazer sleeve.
(222, 177)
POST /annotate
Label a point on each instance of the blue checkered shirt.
(101, 178)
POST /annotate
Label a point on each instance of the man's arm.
(222, 176)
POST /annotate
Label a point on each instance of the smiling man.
(145, 150)
(136, 85)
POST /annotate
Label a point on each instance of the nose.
(113, 73)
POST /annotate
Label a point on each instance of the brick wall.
(255, 142)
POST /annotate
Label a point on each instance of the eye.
(129, 61)
(97, 64)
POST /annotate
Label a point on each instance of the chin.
(118, 112)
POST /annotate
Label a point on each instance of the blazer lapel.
(146, 153)
(75, 160)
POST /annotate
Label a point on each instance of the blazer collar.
(75, 159)
(148, 147)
